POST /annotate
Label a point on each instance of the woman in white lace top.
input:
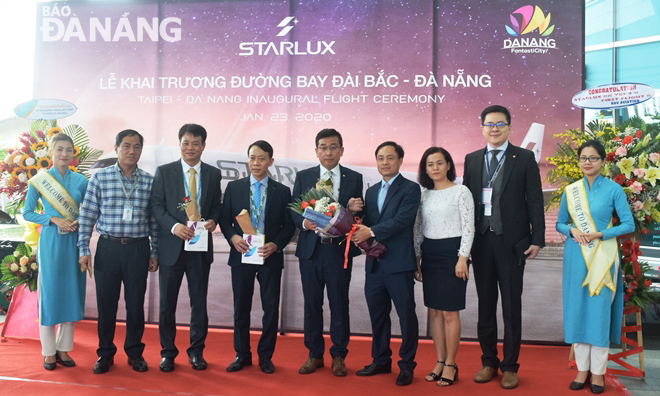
(444, 232)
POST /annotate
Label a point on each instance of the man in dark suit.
(508, 202)
(267, 201)
(322, 259)
(391, 207)
(198, 183)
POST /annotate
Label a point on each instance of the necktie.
(493, 161)
(382, 196)
(328, 178)
(192, 185)
(256, 202)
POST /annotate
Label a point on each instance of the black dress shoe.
(596, 389)
(50, 366)
(65, 363)
(405, 378)
(103, 364)
(166, 365)
(198, 362)
(138, 363)
(238, 364)
(579, 385)
(267, 366)
(374, 369)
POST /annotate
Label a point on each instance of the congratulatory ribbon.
(56, 195)
(599, 255)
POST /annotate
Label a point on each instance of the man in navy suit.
(391, 207)
(200, 183)
(267, 201)
(322, 259)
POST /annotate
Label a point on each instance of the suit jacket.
(394, 225)
(167, 192)
(278, 226)
(521, 199)
(350, 186)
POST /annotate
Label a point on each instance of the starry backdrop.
(401, 38)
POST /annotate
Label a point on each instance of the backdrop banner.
(416, 72)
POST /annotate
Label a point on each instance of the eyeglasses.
(333, 148)
(591, 160)
(496, 124)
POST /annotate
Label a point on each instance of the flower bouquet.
(20, 268)
(20, 164)
(633, 161)
(320, 207)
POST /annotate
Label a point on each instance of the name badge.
(487, 200)
(128, 213)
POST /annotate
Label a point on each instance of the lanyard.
(121, 182)
(199, 184)
(492, 176)
(256, 214)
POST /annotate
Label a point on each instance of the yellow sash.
(56, 195)
(599, 255)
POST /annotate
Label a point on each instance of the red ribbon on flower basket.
(348, 240)
(371, 247)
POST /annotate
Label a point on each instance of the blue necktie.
(382, 196)
(256, 200)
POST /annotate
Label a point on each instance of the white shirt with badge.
(492, 174)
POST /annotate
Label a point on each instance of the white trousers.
(50, 343)
(591, 358)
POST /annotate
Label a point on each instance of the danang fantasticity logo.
(297, 48)
(529, 21)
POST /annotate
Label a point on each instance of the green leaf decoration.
(24, 249)
(32, 283)
(14, 206)
(88, 159)
(10, 258)
(42, 125)
(77, 134)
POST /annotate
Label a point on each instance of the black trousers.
(196, 269)
(497, 265)
(116, 263)
(326, 268)
(242, 281)
(381, 290)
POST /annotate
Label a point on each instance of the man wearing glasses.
(508, 203)
(322, 258)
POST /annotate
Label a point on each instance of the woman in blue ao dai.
(592, 313)
(61, 284)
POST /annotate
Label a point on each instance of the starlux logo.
(297, 48)
(285, 25)
(526, 20)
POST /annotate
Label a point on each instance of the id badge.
(487, 201)
(128, 213)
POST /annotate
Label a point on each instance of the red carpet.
(543, 372)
